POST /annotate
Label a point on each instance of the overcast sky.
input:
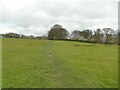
(38, 16)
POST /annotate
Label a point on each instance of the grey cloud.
(37, 16)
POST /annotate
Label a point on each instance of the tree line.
(57, 32)
(106, 35)
(15, 35)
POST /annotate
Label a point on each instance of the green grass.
(0, 63)
(58, 64)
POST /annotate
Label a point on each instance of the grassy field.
(0, 63)
(58, 64)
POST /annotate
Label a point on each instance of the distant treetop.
(56, 26)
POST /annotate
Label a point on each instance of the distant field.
(58, 64)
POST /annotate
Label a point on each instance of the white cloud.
(37, 16)
(7, 29)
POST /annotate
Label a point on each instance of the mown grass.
(58, 64)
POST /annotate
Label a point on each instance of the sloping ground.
(58, 64)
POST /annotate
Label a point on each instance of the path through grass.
(54, 64)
